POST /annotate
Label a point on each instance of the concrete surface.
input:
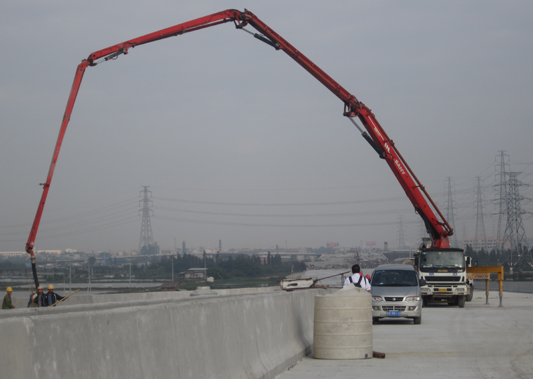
(237, 335)
(478, 341)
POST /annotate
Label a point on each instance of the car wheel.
(417, 320)
(375, 320)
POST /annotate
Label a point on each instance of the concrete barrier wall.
(120, 297)
(223, 336)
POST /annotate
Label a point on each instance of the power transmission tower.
(401, 241)
(501, 201)
(480, 237)
(422, 230)
(450, 212)
(464, 235)
(514, 237)
(146, 241)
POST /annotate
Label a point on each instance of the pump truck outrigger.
(353, 109)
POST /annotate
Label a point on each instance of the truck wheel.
(469, 297)
(424, 301)
(417, 320)
(461, 301)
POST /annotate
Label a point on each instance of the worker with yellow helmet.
(51, 297)
(8, 304)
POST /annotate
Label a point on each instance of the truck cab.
(444, 271)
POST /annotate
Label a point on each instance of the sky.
(238, 143)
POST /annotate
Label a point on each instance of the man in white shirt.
(357, 279)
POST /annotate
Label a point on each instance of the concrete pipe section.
(343, 325)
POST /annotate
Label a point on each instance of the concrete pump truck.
(442, 268)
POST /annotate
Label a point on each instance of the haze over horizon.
(237, 142)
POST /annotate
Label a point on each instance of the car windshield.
(394, 278)
(442, 259)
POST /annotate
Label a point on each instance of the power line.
(279, 225)
(282, 204)
(345, 214)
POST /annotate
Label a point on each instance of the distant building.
(193, 273)
(488, 244)
(56, 252)
(152, 249)
(13, 254)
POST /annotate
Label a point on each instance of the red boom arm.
(352, 108)
(440, 231)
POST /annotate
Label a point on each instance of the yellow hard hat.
(9, 289)
(51, 287)
(40, 288)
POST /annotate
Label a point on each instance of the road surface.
(478, 341)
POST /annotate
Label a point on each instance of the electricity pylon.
(147, 240)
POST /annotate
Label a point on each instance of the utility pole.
(172, 259)
(89, 272)
(130, 270)
(70, 276)
(205, 265)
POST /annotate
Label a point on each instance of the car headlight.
(412, 298)
(377, 298)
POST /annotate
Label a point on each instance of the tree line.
(238, 266)
(499, 258)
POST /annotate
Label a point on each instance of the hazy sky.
(236, 141)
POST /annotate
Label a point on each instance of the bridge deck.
(478, 341)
